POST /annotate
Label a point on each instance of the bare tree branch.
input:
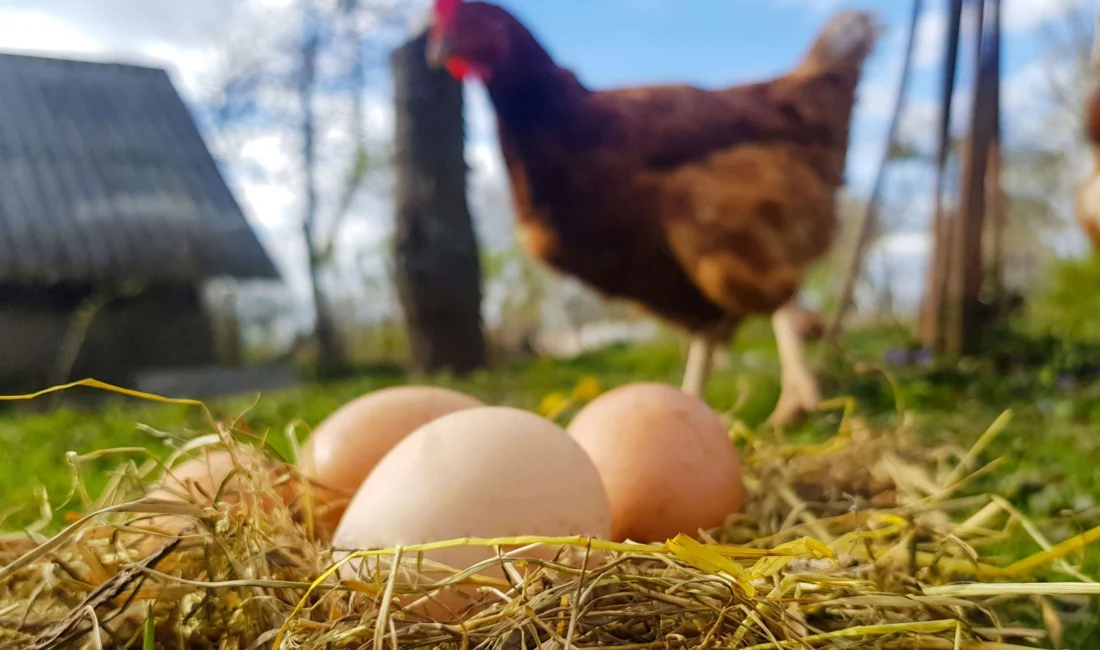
(870, 219)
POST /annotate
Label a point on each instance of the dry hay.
(861, 542)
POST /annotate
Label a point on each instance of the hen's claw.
(799, 394)
(797, 399)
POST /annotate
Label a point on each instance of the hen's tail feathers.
(1092, 120)
(1092, 105)
(844, 43)
(1088, 197)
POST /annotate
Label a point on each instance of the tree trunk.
(438, 272)
(966, 282)
(994, 187)
(931, 325)
(998, 226)
(329, 349)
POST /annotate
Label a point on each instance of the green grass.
(1050, 455)
(956, 402)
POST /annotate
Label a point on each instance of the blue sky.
(709, 42)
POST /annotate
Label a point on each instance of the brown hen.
(705, 207)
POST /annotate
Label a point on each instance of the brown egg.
(666, 460)
(199, 480)
(486, 472)
(348, 444)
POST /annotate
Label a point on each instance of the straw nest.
(866, 541)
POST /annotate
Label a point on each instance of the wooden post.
(966, 281)
(931, 323)
(437, 269)
(994, 189)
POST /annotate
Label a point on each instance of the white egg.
(485, 472)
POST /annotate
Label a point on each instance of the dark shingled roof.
(104, 178)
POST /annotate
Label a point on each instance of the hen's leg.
(799, 393)
(700, 357)
(722, 358)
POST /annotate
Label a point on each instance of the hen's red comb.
(445, 9)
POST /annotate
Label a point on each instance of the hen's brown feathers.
(1088, 197)
(703, 206)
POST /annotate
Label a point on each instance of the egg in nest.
(350, 442)
(667, 462)
(486, 472)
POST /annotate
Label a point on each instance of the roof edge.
(65, 58)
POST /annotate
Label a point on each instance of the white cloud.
(864, 156)
(269, 204)
(877, 98)
(1026, 86)
(931, 32)
(904, 244)
(489, 189)
(269, 151)
(1022, 16)
(35, 31)
(190, 68)
(480, 118)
